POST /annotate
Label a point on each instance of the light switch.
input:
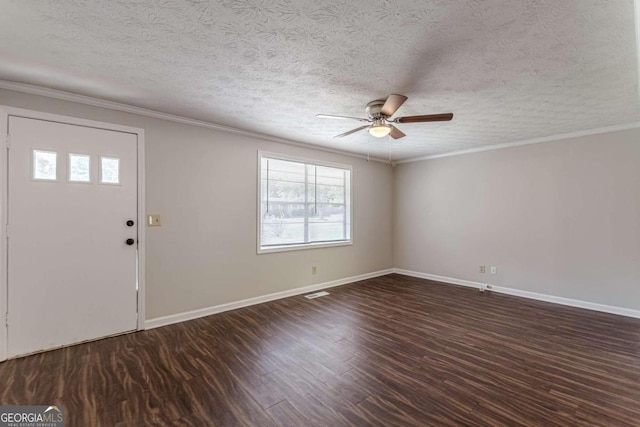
(153, 220)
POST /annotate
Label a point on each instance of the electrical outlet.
(494, 270)
(153, 220)
(314, 269)
(482, 269)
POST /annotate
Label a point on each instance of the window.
(303, 204)
(79, 168)
(45, 165)
(109, 170)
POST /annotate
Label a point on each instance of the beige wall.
(558, 218)
(203, 183)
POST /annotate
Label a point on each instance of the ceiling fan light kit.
(379, 114)
(379, 129)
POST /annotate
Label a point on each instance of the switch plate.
(153, 220)
(482, 269)
(314, 269)
(494, 270)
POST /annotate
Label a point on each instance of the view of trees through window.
(303, 203)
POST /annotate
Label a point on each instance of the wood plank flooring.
(390, 351)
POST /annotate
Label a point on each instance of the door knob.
(130, 242)
(130, 223)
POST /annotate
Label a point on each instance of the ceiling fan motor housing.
(374, 107)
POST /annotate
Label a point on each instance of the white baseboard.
(525, 294)
(207, 311)
(443, 279)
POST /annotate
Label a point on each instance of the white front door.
(72, 234)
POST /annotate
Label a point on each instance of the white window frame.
(301, 246)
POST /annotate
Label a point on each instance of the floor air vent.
(316, 295)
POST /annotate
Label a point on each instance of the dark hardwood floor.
(384, 352)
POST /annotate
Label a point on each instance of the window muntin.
(303, 204)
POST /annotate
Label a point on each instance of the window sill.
(302, 247)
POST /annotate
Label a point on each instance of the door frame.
(5, 113)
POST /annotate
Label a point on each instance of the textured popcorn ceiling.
(509, 70)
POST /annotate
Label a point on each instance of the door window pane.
(109, 170)
(79, 168)
(44, 165)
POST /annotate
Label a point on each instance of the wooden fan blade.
(351, 131)
(329, 116)
(428, 118)
(392, 104)
(396, 133)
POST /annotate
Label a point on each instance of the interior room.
(327, 213)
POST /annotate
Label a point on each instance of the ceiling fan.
(379, 113)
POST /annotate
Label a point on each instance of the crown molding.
(561, 137)
(126, 108)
